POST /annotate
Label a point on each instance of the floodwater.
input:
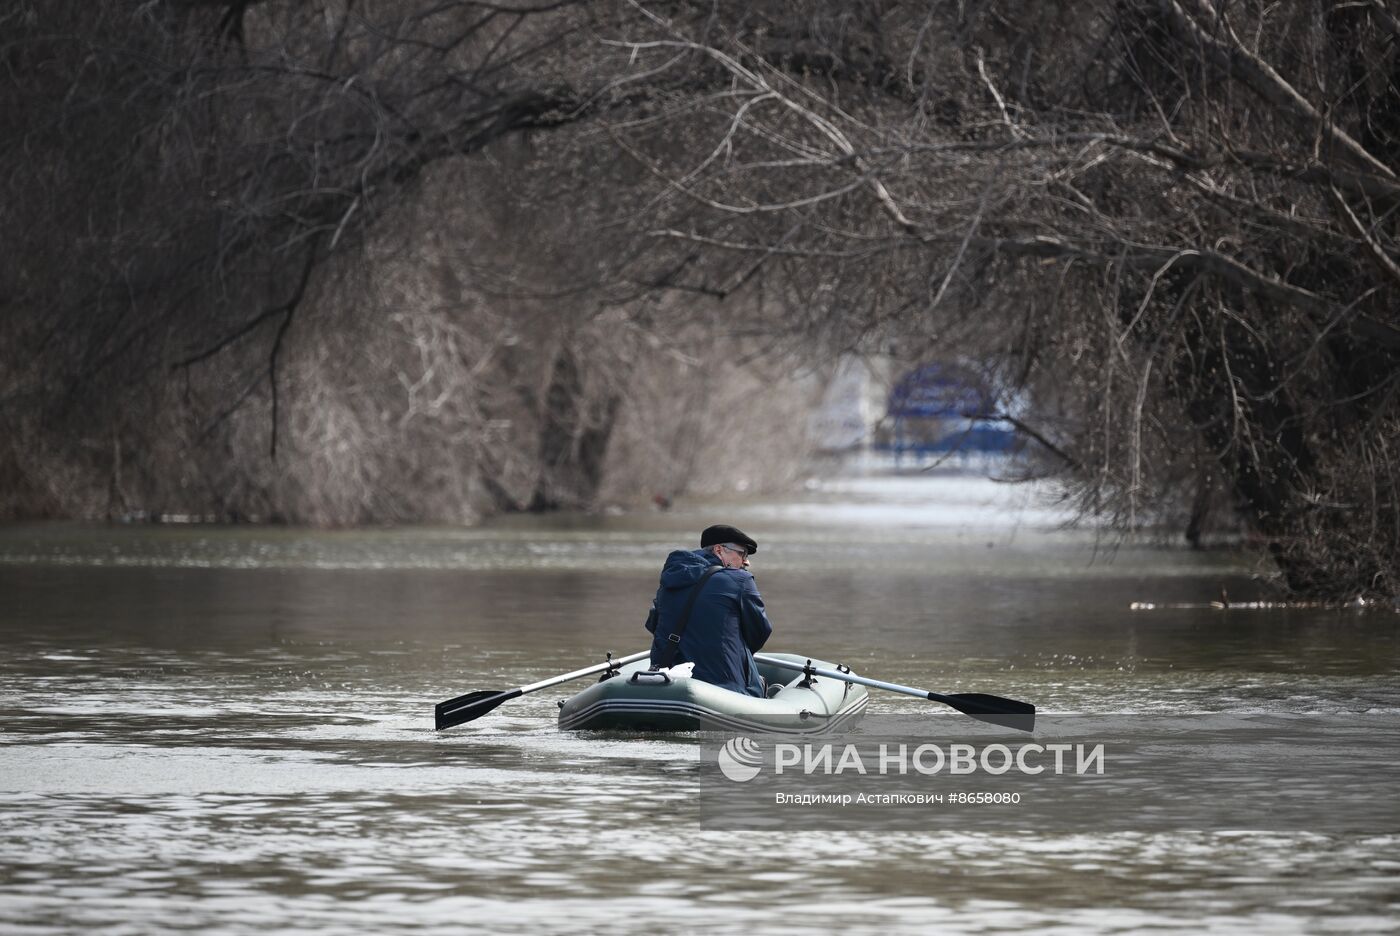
(230, 730)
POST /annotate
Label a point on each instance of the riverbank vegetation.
(345, 262)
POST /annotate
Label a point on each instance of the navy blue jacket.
(727, 624)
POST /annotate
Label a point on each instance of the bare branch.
(1198, 22)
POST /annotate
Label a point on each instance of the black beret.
(720, 533)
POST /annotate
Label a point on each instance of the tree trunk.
(574, 435)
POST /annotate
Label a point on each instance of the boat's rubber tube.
(636, 700)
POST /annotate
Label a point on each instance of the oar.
(988, 708)
(473, 705)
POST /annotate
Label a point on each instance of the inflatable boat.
(634, 698)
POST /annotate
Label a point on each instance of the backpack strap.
(673, 640)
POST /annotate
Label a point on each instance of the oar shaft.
(598, 668)
(1008, 713)
(847, 677)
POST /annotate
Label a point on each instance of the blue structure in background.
(952, 407)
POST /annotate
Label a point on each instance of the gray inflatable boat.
(634, 698)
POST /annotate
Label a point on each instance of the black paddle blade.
(467, 707)
(1009, 713)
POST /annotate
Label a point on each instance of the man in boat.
(727, 622)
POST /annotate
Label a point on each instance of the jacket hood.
(685, 566)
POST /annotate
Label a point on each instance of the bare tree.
(185, 169)
(1169, 221)
(333, 262)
